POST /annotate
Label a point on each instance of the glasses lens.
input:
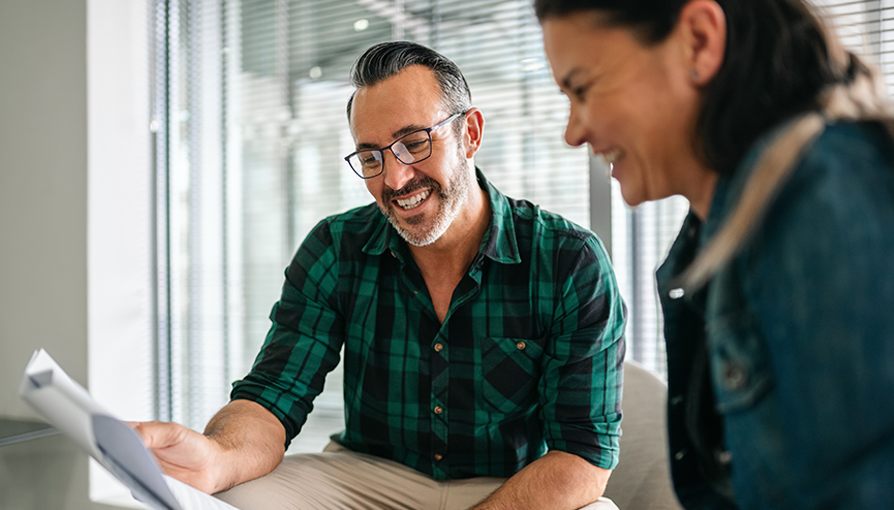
(366, 163)
(413, 147)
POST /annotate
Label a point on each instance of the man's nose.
(396, 174)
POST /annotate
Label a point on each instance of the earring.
(693, 74)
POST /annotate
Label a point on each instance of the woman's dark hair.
(777, 64)
(387, 59)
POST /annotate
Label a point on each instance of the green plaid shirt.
(529, 356)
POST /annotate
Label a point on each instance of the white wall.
(118, 219)
(43, 231)
(73, 123)
(61, 141)
(43, 189)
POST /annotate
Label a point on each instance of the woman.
(778, 295)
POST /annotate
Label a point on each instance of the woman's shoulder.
(839, 197)
(844, 143)
(846, 160)
(838, 141)
(828, 231)
(850, 163)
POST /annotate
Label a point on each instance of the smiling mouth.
(612, 156)
(412, 201)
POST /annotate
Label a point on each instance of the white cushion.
(641, 481)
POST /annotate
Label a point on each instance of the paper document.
(67, 406)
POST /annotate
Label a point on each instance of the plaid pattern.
(529, 356)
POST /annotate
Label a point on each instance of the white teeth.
(613, 155)
(409, 203)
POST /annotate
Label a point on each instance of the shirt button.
(676, 293)
(438, 456)
(438, 409)
(680, 454)
(520, 345)
(676, 400)
(734, 376)
(439, 347)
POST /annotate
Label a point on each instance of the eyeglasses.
(408, 149)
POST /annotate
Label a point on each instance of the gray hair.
(387, 59)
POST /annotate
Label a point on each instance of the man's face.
(421, 200)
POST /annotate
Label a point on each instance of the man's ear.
(702, 28)
(473, 130)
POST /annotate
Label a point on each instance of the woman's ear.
(472, 132)
(702, 28)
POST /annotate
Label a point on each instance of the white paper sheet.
(67, 406)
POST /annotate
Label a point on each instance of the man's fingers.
(158, 434)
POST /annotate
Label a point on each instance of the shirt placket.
(440, 374)
(440, 382)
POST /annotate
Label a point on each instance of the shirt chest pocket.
(740, 365)
(510, 371)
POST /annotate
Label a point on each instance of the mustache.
(389, 194)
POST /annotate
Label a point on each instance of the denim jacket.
(781, 370)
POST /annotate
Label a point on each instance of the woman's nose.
(574, 131)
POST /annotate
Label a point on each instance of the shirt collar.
(499, 243)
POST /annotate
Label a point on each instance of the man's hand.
(242, 442)
(183, 453)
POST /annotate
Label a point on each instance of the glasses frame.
(381, 151)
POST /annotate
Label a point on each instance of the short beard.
(451, 200)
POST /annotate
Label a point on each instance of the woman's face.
(634, 104)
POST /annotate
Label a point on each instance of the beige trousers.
(342, 479)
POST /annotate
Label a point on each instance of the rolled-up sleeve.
(581, 387)
(304, 341)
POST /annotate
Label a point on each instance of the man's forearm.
(557, 480)
(251, 440)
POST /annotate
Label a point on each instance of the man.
(477, 331)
